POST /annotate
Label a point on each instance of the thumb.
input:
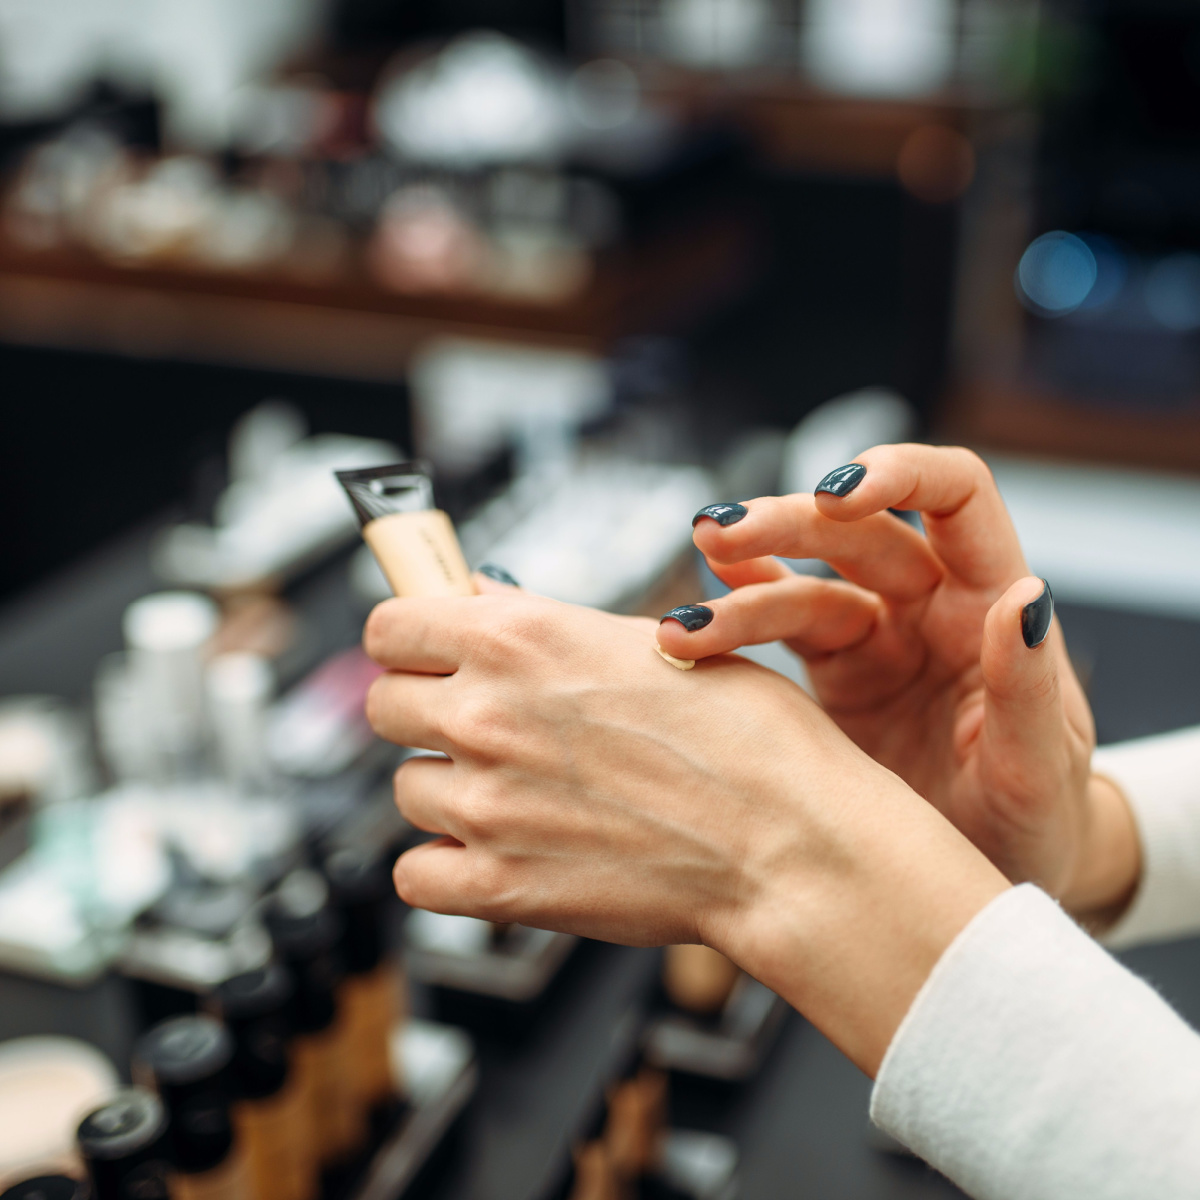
(1019, 660)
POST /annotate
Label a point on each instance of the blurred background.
(598, 262)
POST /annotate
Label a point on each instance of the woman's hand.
(593, 788)
(938, 655)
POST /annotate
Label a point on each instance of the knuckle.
(971, 463)
(477, 812)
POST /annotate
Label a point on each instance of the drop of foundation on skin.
(684, 664)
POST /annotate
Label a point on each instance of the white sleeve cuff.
(1032, 1066)
(1160, 777)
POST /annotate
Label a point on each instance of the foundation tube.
(270, 1114)
(413, 542)
(371, 995)
(306, 933)
(698, 979)
(187, 1059)
(124, 1147)
(637, 1119)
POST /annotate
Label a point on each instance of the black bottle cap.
(47, 1187)
(253, 995)
(256, 1007)
(184, 1053)
(306, 933)
(124, 1145)
(360, 884)
(131, 1124)
(188, 1059)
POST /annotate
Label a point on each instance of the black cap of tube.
(47, 1187)
(306, 933)
(360, 885)
(124, 1145)
(188, 1059)
(256, 1007)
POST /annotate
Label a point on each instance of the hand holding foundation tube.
(586, 788)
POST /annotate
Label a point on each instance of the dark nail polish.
(841, 481)
(499, 574)
(690, 616)
(1036, 617)
(723, 514)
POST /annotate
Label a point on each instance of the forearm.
(1032, 1066)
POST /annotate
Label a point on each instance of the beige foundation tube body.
(413, 542)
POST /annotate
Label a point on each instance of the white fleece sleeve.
(1160, 776)
(1033, 1066)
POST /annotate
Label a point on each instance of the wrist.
(851, 943)
(1110, 860)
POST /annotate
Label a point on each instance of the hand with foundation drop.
(939, 655)
(587, 786)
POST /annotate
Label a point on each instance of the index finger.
(952, 488)
(424, 635)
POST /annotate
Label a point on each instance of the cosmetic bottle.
(306, 932)
(167, 636)
(636, 1122)
(47, 1187)
(413, 542)
(124, 1145)
(271, 1117)
(371, 995)
(697, 978)
(594, 1176)
(186, 1060)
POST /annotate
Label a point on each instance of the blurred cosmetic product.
(425, 243)
(167, 636)
(307, 932)
(840, 429)
(281, 513)
(43, 762)
(319, 728)
(240, 688)
(637, 1120)
(47, 1187)
(124, 733)
(698, 979)
(370, 996)
(271, 1113)
(414, 543)
(484, 99)
(47, 1085)
(196, 56)
(880, 47)
(726, 34)
(125, 1144)
(472, 399)
(603, 94)
(187, 1061)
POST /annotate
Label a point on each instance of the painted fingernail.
(499, 574)
(723, 514)
(690, 616)
(1036, 617)
(841, 481)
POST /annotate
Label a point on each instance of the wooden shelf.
(349, 326)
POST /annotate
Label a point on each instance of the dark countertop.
(801, 1125)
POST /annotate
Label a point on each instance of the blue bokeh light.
(1056, 274)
